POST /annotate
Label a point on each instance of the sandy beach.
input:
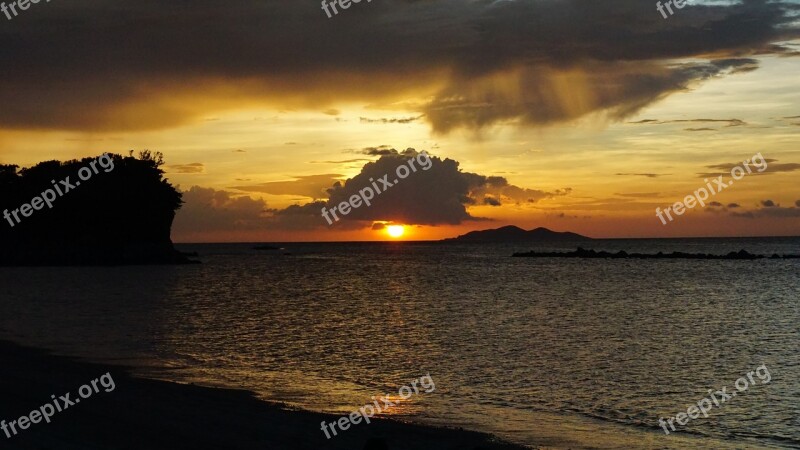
(400, 225)
(148, 414)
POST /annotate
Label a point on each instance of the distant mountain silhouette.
(120, 214)
(516, 234)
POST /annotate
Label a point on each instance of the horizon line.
(399, 241)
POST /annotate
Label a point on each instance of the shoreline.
(152, 414)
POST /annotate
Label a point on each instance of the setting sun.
(395, 231)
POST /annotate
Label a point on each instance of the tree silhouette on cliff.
(118, 216)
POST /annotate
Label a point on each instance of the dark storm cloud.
(436, 196)
(210, 210)
(768, 208)
(439, 195)
(206, 209)
(540, 95)
(152, 64)
(786, 167)
(745, 215)
(728, 122)
(779, 212)
(302, 217)
(394, 120)
(497, 189)
(385, 150)
(426, 197)
(772, 168)
(648, 175)
(765, 208)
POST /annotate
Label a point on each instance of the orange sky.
(556, 123)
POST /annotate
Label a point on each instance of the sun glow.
(395, 231)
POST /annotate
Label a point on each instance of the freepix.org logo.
(12, 7)
(368, 193)
(48, 196)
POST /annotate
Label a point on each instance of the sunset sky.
(578, 115)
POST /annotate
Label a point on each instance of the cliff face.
(98, 211)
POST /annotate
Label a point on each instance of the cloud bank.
(440, 195)
(120, 65)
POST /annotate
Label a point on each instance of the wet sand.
(148, 414)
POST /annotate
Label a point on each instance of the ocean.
(560, 353)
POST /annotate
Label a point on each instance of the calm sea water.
(568, 352)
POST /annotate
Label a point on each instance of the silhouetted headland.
(583, 253)
(516, 234)
(120, 215)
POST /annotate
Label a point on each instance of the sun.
(395, 231)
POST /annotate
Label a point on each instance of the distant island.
(109, 210)
(516, 234)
